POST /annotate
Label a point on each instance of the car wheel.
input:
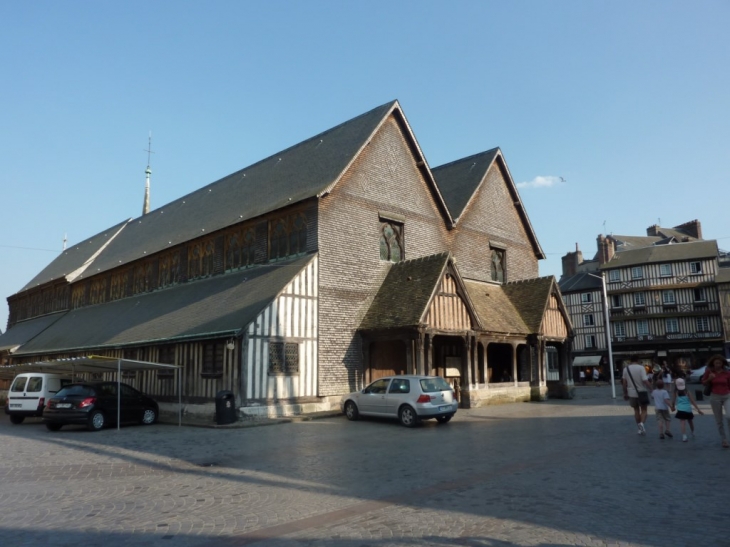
(408, 416)
(96, 420)
(15, 419)
(351, 411)
(149, 416)
(53, 427)
(444, 419)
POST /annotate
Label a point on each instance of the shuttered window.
(283, 358)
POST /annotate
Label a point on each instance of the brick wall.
(492, 218)
(386, 179)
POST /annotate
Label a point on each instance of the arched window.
(499, 270)
(391, 241)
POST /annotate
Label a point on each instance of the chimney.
(653, 230)
(571, 261)
(606, 249)
(693, 228)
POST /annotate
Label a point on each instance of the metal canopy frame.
(98, 363)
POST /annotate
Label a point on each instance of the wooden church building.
(310, 273)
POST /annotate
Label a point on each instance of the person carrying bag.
(638, 398)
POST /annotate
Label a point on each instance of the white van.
(29, 392)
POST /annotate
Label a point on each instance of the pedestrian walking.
(636, 391)
(683, 401)
(596, 375)
(718, 378)
(667, 377)
(662, 404)
(582, 377)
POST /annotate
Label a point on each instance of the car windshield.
(429, 385)
(75, 391)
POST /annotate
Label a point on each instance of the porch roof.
(495, 309)
(405, 293)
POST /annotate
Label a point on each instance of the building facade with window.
(305, 275)
(664, 294)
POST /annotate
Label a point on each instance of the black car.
(94, 404)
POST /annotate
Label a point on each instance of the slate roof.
(404, 296)
(74, 257)
(530, 298)
(303, 171)
(580, 282)
(496, 311)
(675, 252)
(23, 331)
(459, 179)
(216, 306)
(723, 275)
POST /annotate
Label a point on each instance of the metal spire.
(148, 172)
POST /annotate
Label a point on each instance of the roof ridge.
(465, 158)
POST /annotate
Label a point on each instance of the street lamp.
(607, 327)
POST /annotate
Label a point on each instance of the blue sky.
(629, 102)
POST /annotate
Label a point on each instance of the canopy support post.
(119, 391)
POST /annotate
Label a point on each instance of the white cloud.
(542, 182)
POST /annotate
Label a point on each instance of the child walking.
(683, 401)
(661, 409)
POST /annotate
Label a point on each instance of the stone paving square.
(548, 474)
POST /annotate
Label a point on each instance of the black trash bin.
(699, 395)
(225, 408)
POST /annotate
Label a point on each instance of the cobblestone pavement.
(545, 474)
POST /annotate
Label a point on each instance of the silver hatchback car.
(409, 398)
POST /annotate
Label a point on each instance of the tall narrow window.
(642, 327)
(639, 299)
(619, 328)
(499, 268)
(617, 301)
(668, 297)
(391, 241)
(240, 249)
(672, 325)
(213, 353)
(590, 341)
(588, 320)
(699, 294)
(278, 241)
(637, 272)
(703, 324)
(298, 235)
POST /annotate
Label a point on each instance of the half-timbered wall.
(582, 314)
(447, 310)
(553, 322)
(292, 318)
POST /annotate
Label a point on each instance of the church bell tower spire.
(148, 172)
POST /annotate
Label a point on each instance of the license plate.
(445, 407)
(63, 405)
(15, 405)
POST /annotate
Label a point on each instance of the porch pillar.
(419, 353)
(365, 362)
(428, 348)
(466, 361)
(409, 356)
(514, 363)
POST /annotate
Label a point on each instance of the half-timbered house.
(311, 272)
(664, 298)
